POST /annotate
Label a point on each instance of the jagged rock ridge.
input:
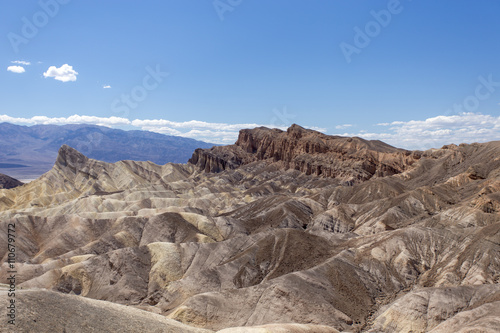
(311, 152)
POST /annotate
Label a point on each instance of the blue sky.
(416, 74)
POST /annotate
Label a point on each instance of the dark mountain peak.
(297, 127)
(70, 157)
(8, 182)
(297, 131)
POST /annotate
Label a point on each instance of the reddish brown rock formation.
(311, 152)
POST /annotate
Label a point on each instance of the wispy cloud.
(16, 69)
(437, 131)
(65, 73)
(414, 134)
(21, 62)
(343, 126)
(106, 87)
(211, 132)
(74, 119)
(192, 124)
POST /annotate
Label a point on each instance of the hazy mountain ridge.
(261, 243)
(36, 146)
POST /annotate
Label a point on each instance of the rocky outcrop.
(7, 182)
(311, 152)
(215, 159)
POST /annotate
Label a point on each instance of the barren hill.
(290, 231)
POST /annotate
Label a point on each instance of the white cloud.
(192, 124)
(437, 131)
(414, 134)
(202, 124)
(200, 130)
(106, 87)
(213, 136)
(163, 130)
(343, 126)
(74, 119)
(65, 73)
(210, 132)
(16, 69)
(21, 62)
(222, 137)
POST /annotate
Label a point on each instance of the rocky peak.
(296, 131)
(8, 182)
(70, 163)
(309, 151)
(70, 157)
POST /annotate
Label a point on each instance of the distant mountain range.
(29, 151)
